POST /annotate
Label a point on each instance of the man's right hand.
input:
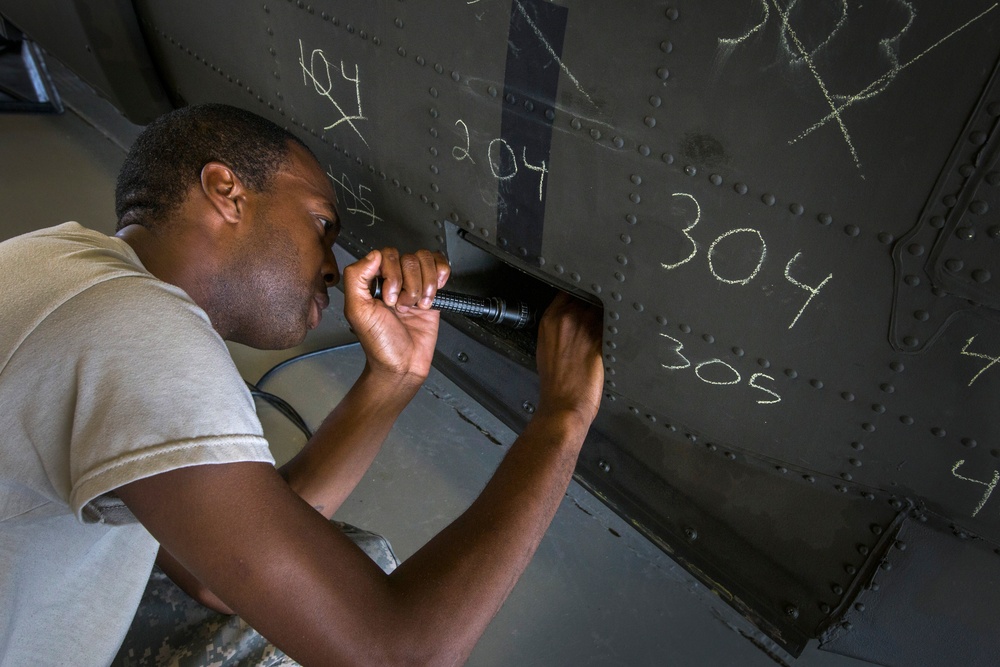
(570, 367)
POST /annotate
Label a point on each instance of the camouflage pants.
(172, 630)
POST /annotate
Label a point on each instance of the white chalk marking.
(552, 52)
(978, 355)
(309, 73)
(728, 44)
(883, 81)
(694, 246)
(495, 165)
(819, 81)
(753, 380)
(463, 153)
(841, 22)
(992, 484)
(677, 350)
(813, 291)
(760, 262)
(359, 204)
(697, 371)
(542, 170)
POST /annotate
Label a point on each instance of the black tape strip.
(521, 159)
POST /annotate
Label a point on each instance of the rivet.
(691, 534)
(981, 275)
(825, 218)
(937, 221)
(613, 330)
(846, 476)
(708, 338)
(966, 233)
(438, 68)
(638, 307)
(911, 280)
(792, 611)
(816, 384)
(969, 442)
(954, 265)
(768, 199)
(619, 276)
(690, 170)
(668, 158)
(462, 356)
(855, 462)
(869, 495)
(915, 249)
(529, 106)
(938, 432)
(625, 238)
(604, 466)
(809, 478)
(906, 419)
(993, 178)
(850, 569)
(595, 134)
(852, 230)
(730, 456)
(651, 418)
(878, 408)
(796, 209)
(663, 73)
(791, 372)
(401, 51)
(837, 589)
(576, 124)
(824, 608)
(622, 259)
(649, 121)
(636, 179)
(510, 98)
(528, 407)
(885, 238)
(715, 179)
(911, 341)
(492, 91)
(672, 13)
(949, 200)
(921, 315)
(740, 188)
(559, 268)
(550, 114)
(887, 388)
(857, 446)
(885, 565)
(574, 276)
(876, 529)
(978, 137)
(661, 320)
(896, 504)
(631, 219)
(781, 469)
(684, 328)
(666, 46)
(738, 351)
(862, 549)
(763, 363)
(644, 150)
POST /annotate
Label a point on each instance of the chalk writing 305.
(755, 244)
(716, 371)
(992, 484)
(317, 70)
(354, 198)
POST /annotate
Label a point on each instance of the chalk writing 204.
(753, 240)
(502, 158)
(317, 70)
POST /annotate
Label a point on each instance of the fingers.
(358, 276)
(570, 366)
(412, 279)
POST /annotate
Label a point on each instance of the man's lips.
(319, 304)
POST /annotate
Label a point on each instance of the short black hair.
(167, 157)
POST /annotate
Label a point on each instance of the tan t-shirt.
(107, 375)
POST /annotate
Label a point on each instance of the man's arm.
(244, 533)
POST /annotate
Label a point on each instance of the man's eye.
(328, 226)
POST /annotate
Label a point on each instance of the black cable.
(280, 404)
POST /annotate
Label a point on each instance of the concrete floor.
(597, 593)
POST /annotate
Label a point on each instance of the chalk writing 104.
(750, 238)
(317, 70)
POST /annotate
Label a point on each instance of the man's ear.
(224, 191)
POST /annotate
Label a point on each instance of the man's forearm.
(335, 459)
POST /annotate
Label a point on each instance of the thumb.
(360, 275)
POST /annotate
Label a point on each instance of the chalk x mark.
(835, 113)
(992, 484)
(879, 84)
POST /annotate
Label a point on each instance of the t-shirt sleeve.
(152, 386)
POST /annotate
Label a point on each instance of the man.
(121, 404)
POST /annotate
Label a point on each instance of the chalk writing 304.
(756, 244)
(317, 70)
(992, 484)
(354, 198)
(716, 371)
